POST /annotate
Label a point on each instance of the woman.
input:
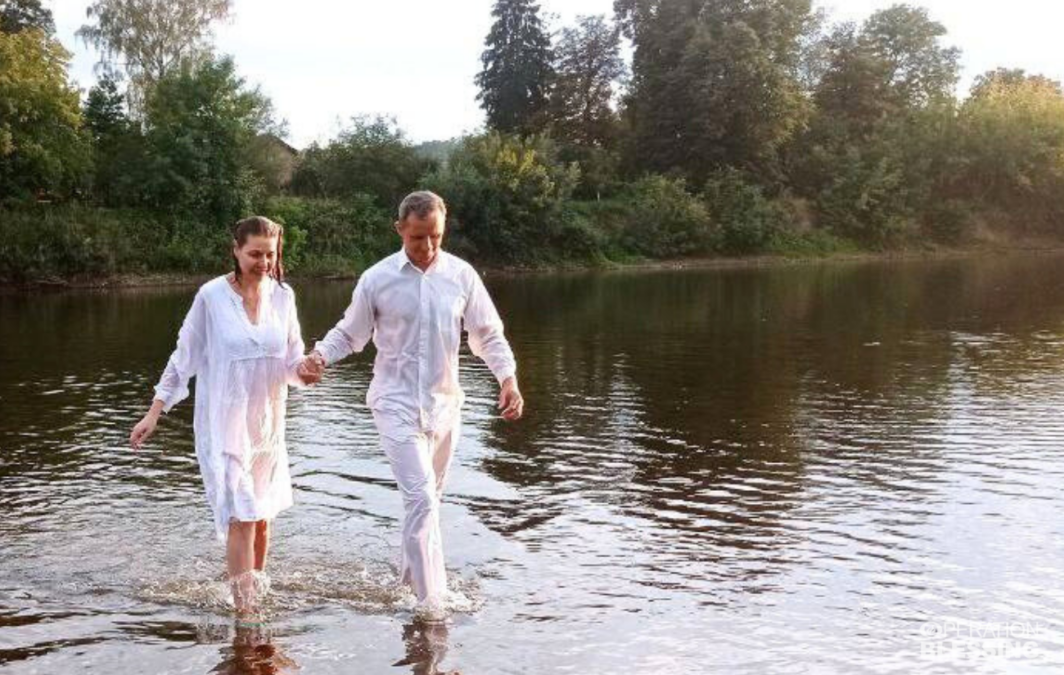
(241, 340)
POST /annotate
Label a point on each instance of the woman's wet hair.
(260, 226)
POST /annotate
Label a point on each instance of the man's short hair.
(422, 203)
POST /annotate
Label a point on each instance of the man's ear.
(398, 227)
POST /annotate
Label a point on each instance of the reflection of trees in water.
(76, 371)
(648, 393)
(692, 399)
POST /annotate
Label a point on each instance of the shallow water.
(848, 467)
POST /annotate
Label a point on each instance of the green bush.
(324, 236)
(506, 198)
(748, 221)
(661, 219)
(44, 241)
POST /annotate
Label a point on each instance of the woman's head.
(258, 249)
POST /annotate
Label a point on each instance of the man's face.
(422, 237)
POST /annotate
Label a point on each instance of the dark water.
(839, 468)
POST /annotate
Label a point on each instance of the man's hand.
(511, 403)
(312, 368)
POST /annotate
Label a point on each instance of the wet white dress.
(242, 373)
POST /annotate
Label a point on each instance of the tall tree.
(42, 147)
(123, 167)
(894, 65)
(18, 15)
(715, 82)
(879, 142)
(515, 82)
(588, 68)
(201, 120)
(149, 38)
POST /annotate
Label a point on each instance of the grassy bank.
(73, 245)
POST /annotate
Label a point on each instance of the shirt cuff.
(505, 374)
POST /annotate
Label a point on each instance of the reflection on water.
(426, 646)
(818, 468)
(254, 652)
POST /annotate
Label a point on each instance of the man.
(414, 304)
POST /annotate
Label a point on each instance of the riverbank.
(150, 280)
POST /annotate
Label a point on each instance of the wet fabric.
(243, 371)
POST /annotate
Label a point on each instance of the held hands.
(312, 368)
(511, 403)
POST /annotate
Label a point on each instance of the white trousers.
(419, 462)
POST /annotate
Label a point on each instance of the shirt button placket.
(423, 343)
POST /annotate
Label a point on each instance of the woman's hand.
(311, 368)
(146, 426)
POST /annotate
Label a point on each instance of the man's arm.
(351, 333)
(487, 340)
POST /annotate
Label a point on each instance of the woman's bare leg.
(262, 543)
(240, 560)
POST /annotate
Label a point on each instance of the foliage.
(748, 222)
(588, 67)
(151, 38)
(328, 236)
(1012, 140)
(370, 157)
(42, 241)
(714, 83)
(515, 80)
(506, 196)
(20, 15)
(661, 219)
(43, 151)
(121, 167)
(201, 121)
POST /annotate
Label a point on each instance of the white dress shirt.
(415, 319)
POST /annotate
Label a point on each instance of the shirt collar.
(402, 260)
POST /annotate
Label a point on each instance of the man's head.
(422, 219)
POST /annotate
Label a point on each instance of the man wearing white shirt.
(414, 305)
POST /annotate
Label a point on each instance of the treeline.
(741, 126)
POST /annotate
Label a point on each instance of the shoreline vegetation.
(737, 131)
(156, 280)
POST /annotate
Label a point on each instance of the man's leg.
(411, 455)
(444, 443)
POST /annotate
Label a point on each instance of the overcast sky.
(322, 61)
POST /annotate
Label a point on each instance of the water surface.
(821, 468)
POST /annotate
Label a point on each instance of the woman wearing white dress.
(241, 341)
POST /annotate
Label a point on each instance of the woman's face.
(257, 257)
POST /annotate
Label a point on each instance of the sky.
(324, 61)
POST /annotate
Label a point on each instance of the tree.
(715, 83)
(371, 157)
(201, 120)
(879, 144)
(506, 196)
(42, 147)
(515, 82)
(1012, 145)
(122, 166)
(150, 38)
(995, 81)
(19, 15)
(894, 65)
(587, 68)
